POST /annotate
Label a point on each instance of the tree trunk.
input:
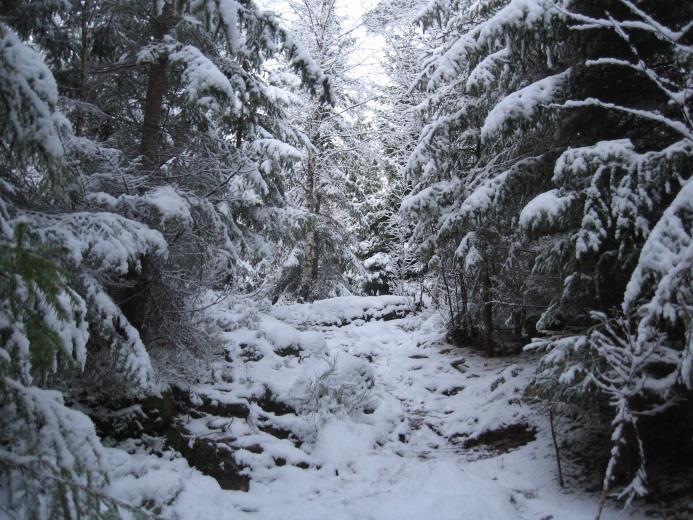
(466, 326)
(84, 59)
(487, 312)
(453, 326)
(157, 85)
(309, 268)
(316, 249)
(305, 291)
(239, 135)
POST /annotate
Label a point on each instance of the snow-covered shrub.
(51, 459)
(639, 379)
(345, 386)
(379, 272)
(55, 267)
(51, 462)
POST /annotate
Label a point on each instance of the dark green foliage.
(31, 278)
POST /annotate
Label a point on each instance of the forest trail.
(419, 449)
(174, 173)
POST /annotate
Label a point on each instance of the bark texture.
(157, 86)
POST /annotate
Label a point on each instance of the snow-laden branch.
(29, 97)
(647, 23)
(651, 115)
(523, 103)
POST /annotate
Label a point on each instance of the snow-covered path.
(415, 473)
(426, 476)
(405, 457)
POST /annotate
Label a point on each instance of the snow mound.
(345, 309)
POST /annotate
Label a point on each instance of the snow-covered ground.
(386, 420)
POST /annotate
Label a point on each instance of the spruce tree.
(554, 218)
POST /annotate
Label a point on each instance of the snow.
(482, 198)
(447, 66)
(72, 331)
(169, 204)
(429, 196)
(526, 15)
(203, 80)
(667, 250)
(682, 128)
(129, 353)
(467, 249)
(646, 23)
(637, 184)
(64, 432)
(523, 103)
(545, 210)
(44, 437)
(336, 311)
(484, 74)
(301, 58)
(518, 14)
(657, 288)
(228, 11)
(106, 240)
(98, 241)
(276, 150)
(378, 261)
(575, 163)
(30, 96)
(402, 457)
(283, 96)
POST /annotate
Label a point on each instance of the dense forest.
(250, 271)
